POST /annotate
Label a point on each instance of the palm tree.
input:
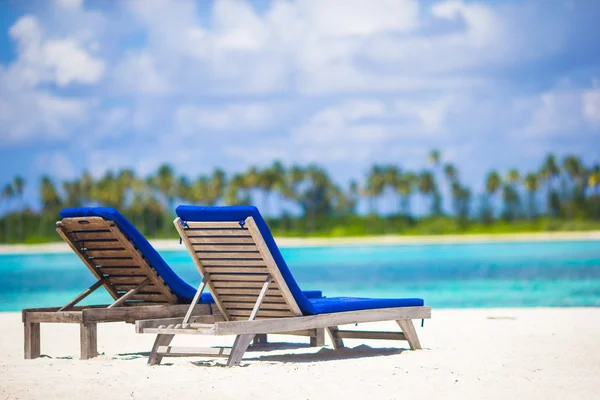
(49, 196)
(7, 194)
(404, 188)
(575, 170)
(548, 173)
(165, 183)
(451, 175)
(427, 187)
(216, 186)
(532, 184)
(375, 186)
(492, 185)
(434, 158)
(19, 185)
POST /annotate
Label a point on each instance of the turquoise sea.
(524, 274)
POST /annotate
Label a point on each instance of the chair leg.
(239, 348)
(88, 336)
(319, 339)
(161, 340)
(337, 342)
(260, 338)
(410, 333)
(32, 339)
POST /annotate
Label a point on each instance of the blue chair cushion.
(340, 304)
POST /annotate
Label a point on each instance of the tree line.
(305, 200)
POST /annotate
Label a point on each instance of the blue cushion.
(184, 292)
(340, 304)
(308, 306)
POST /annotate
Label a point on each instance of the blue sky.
(100, 84)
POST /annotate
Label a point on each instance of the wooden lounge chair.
(256, 293)
(138, 279)
(125, 264)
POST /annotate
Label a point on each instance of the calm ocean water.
(458, 275)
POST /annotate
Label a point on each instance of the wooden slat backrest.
(237, 261)
(110, 255)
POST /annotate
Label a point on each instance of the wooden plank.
(370, 335)
(157, 297)
(213, 225)
(97, 245)
(88, 334)
(121, 270)
(195, 300)
(239, 348)
(318, 339)
(85, 223)
(173, 351)
(261, 297)
(197, 233)
(304, 332)
(261, 313)
(204, 256)
(173, 331)
(244, 270)
(336, 341)
(272, 265)
(32, 347)
(258, 263)
(270, 299)
(63, 316)
(250, 305)
(143, 312)
(321, 320)
(199, 266)
(126, 280)
(225, 247)
(409, 332)
(238, 284)
(83, 295)
(255, 291)
(115, 262)
(239, 277)
(151, 289)
(161, 340)
(219, 240)
(107, 254)
(89, 237)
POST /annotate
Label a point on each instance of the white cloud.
(62, 61)
(235, 117)
(591, 106)
(70, 3)
(564, 111)
(55, 164)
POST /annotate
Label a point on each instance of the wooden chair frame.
(216, 267)
(138, 291)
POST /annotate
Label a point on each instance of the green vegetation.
(559, 196)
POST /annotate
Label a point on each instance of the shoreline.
(173, 244)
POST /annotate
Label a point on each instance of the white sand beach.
(468, 354)
(173, 244)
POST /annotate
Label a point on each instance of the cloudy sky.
(343, 83)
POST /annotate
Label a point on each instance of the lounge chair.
(128, 267)
(256, 293)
